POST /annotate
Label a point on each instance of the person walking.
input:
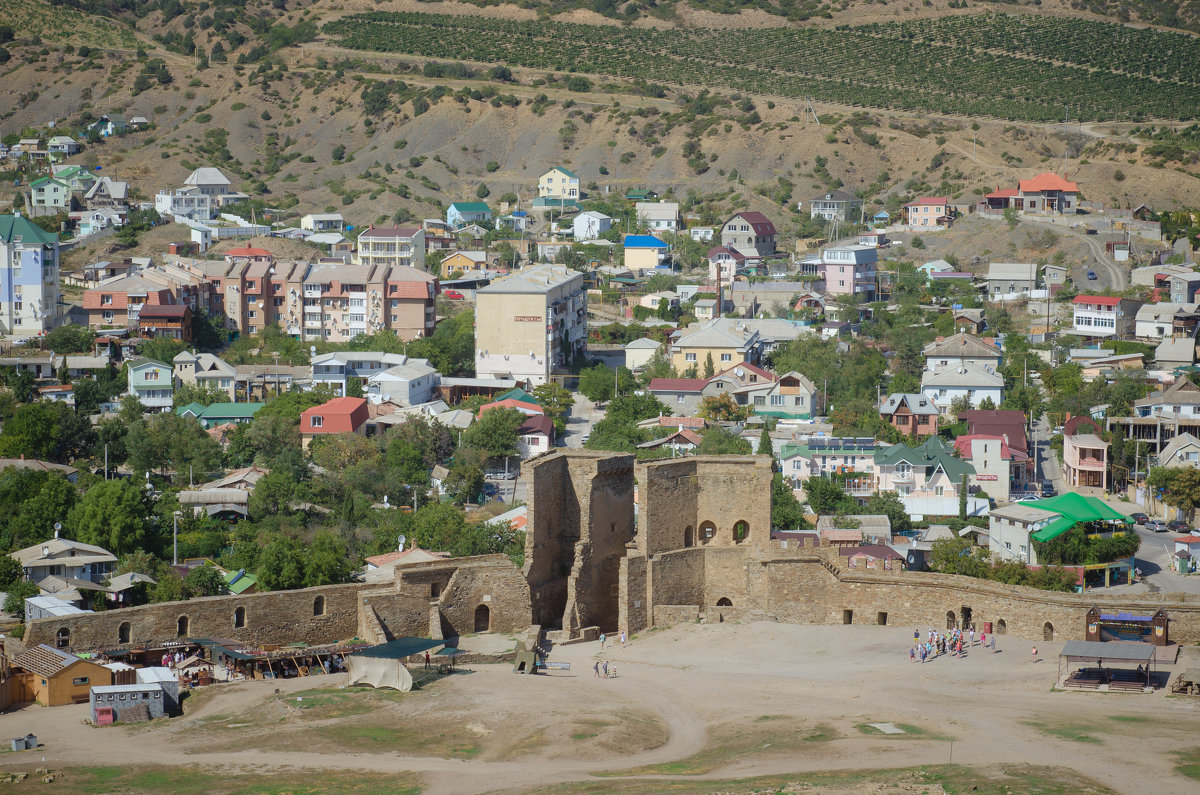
(1035, 657)
(426, 661)
(596, 668)
(993, 644)
(603, 638)
(606, 669)
(622, 638)
(916, 636)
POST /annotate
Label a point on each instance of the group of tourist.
(604, 671)
(955, 641)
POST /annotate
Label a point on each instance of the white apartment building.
(658, 216)
(185, 203)
(529, 323)
(29, 293)
(391, 245)
(401, 378)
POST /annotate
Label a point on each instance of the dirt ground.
(691, 708)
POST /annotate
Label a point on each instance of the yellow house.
(462, 261)
(727, 340)
(558, 183)
(53, 677)
(644, 252)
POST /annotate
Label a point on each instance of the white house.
(966, 380)
(322, 222)
(186, 203)
(535, 436)
(408, 384)
(658, 216)
(209, 181)
(589, 225)
(837, 205)
(1157, 321)
(337, 368)
(61, 557)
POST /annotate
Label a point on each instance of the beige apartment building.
(529, 323)
(391, 245)
(327, 299)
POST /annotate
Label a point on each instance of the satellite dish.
(400, 543)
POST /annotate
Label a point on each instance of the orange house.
(340, 415)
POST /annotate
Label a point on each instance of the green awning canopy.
(235, 654)
(1073, 509)
(400, 648)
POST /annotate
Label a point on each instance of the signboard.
(557, 666)
(986, 477)
(527, 319)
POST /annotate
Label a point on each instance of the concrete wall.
(274, 617)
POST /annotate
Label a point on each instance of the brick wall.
(488, 589)
(634, 615)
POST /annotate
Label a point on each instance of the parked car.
(1156, 525)
(454, 295)
(1176, 526)
(1139, 518)
(1047, 489)
(1091, 276)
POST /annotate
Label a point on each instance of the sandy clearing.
(702, 682)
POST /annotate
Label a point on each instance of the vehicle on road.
(1139, 518)
(1091, 276)
(1176, 526)
(1047, 489)
(455, 295)
(1156, 525)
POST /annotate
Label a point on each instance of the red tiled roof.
(1006, 193)
(1047, 181)
(761, 223)
(754, 368)
(676, 384)
(1189, 540)
(688, 435)
(340, 415)
(718, 250)
(962, 445)
(1102, 300)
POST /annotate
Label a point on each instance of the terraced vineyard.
(1013, 67)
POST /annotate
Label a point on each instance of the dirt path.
(705, 684)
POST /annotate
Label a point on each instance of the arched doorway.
(724, 602)
(319, 606)
(63, 638)
(1047, 631)
(239, 618)
(708, 531)
(689, 536)
(123, 632)
(483, 619)
(951, 620)
(1001, 627)
(181, 626)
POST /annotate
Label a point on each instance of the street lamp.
(175, 537)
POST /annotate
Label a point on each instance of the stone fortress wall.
(614, 544)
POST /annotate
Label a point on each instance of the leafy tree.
(11, 572)
(69, 339)
(205, 581)
(887, 503)
(764, 443)
(429, 437)
(18, 592)
(786, 511)
(112, 514)
(959, 556)
(326, 562)
(87, 396)
(556, 400)
(204, 394)
(722, 408)
(354, 387)
(290, 405)
(405, 460)
(21, 383)
(281, 565)
(597, 383)
(169, 443)
(32, 432)
(494, 434)
(962, 498)
(464, 482)
(42, 500)
(719, 441)
(338, 452)
(272, 494)
(170, 587)
(709, 369)
(826, 497)
(1180, 488)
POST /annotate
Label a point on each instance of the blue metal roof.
(643, 241)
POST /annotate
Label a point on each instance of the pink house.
(931, 211)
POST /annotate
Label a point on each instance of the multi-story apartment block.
(850, 270)
(328, 299)
(529, 323)
(116, 302)
(28, 276)
(390, 245)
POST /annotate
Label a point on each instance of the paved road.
(583, 417)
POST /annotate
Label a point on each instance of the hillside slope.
(382, 136)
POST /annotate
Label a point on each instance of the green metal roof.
(568, 172)
(244, 583)
(231, 410)
(933, 453)
(518, 394)
(471, 207)
(13, 225)
(195, 409)
(399, 648)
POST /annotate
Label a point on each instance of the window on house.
(317, 422)
(151, 375)
(777, 400)
(760, 400)
(726, 357)
(106, 300)
(689, 357)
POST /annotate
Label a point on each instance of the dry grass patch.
(195, 781)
